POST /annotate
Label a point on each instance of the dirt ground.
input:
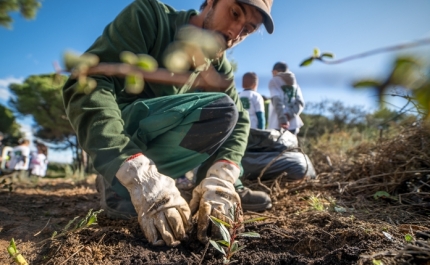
(295, 233)
(371, 206)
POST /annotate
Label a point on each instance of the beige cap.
(264, 6)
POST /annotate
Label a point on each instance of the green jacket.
(145, 26)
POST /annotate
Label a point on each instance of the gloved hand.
(215, 195)
(160, 208)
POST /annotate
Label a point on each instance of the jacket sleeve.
(96, 117)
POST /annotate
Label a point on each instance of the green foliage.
(316, 204)
(409, 238)
(383, 194)
(228, 245)
(76, 225)
(317, 55)
(41, 97)
(27, 8)
(8, 124)
(14, 253)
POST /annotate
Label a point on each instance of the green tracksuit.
(112, 125)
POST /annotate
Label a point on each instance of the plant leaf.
(257, 219)
(249, 234)
(238, 249)
(217, 221)
(380, 194)
(328, 55)
(217, 246)
(54, 234)
(366, 83)
(70, 223)
(223, 242)
(12, 244)
(234, 247)
(307, 62)
(316, 52)
(408, 238)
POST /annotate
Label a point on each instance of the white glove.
(215, 195)
(160, 208)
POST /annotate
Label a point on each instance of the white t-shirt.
(253, 102)
(39, 165)
(20, 158)
(275, 88)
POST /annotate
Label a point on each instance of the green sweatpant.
(179, 132)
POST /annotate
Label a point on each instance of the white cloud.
(4, 84)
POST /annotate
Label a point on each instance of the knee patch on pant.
(217, 121)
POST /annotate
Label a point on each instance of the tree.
(8, 124)
(27, 8)
(41, 97)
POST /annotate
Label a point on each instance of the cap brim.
(268, 21)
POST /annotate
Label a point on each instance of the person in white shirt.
(39, 162)
(20, 156)
(286, 100)
(252, 101)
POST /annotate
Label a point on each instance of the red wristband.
(228, 162)
(134, 156)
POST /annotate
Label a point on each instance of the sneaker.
(114, 206)
(256, 201)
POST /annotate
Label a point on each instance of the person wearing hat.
(140, 142)
(252, 101)
(286, 100)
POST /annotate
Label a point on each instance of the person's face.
(233, 20)
(274, 72)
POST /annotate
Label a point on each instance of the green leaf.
(217, 246)
(231, 212)
(408, 238)
(249, 234)
(366, 83)
(92, 220)
(307, 62)
(12, 244)
(234, 247)
(223, 242)
(238, 249)
(316, 52)
(134, 84)
(54, 234)
(11, 251)
(328, 55)
(146, 63)
(257, 219)
(377, 262)
(128, 57)
(69, 224)
(382, 194)
(219, 221)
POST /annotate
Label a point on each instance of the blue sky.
(342, 27)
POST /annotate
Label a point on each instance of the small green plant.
(228, 246)
(316, 203)
(14, 253)
(383, 194)
(409, 238)
(87, 221)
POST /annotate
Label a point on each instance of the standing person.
(20, 156)
(286, 100)
(39, 161)
(140, 143)
(252, 101)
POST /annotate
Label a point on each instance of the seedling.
(316, 203)
(87, 221)
(228, 246)
(409, 238)
(14, 253)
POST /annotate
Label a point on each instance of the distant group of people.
(285, 105)
(21, 159)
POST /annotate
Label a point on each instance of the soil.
(294, 233)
